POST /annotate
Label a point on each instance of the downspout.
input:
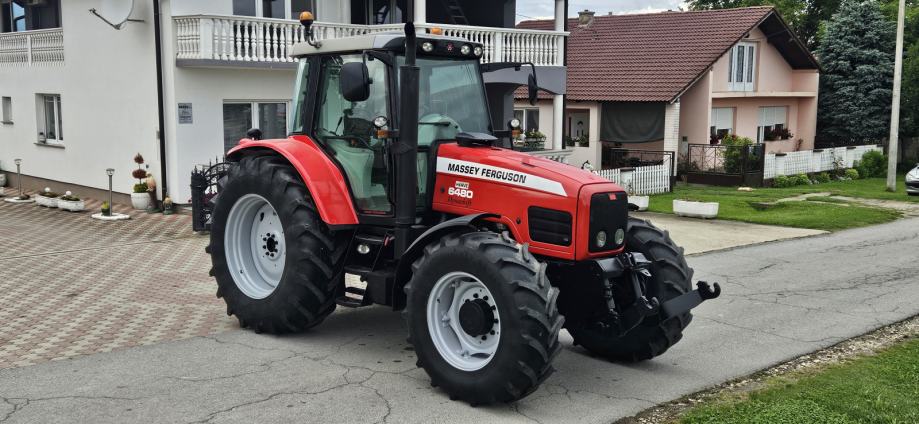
(160, 96)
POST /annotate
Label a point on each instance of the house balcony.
(215, 40)
(30, 48)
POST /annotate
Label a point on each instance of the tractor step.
(353, 298)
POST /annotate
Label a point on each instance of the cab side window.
(347, 129)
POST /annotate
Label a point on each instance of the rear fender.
(322, 177)
(404, 269)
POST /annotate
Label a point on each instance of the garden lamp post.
(110, 172)
(19, 175)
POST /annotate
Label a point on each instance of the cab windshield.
(451, 90)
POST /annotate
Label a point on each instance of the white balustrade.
(560, 156)
(241, 38)
(27, 48)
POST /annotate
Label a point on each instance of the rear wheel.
(482, 317)
(670, 277)
(273, 257)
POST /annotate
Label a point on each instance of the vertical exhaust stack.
(405, 148)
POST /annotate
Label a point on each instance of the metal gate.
(726, 165)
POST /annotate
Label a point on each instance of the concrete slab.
(704, 235)
(780, 300)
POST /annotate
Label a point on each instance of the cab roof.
(389, 40)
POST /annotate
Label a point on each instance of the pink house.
(662, 81)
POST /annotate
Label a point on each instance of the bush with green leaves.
(734, 150)
(140, 188)
(852, 174)
(782, 181)
(872, 165)
(822, 178)
(802, 179)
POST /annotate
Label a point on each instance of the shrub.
(48, 193)
(873, 164)
(852, 174)
(782, 181)
(140, 188)
(823, 177)
(802, 179)
(733, 152)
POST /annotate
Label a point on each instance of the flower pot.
(140, 201)
(691, 209)
(48, 202)
(640, 201)
(71, 205)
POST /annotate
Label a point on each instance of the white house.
(80, 95)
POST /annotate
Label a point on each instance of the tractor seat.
(358, 164)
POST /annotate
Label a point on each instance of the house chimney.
(585, 17)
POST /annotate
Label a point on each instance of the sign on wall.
(185, 113)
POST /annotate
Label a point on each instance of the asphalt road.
(780, 300)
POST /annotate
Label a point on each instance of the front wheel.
(482, 317)
(670, 278)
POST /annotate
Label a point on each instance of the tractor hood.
(518, 169)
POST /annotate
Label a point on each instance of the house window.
(529, 119)
(773, 123)
(28, 15)
(277, 9)
(722, 122)
(49, 120)
(742, 67)
(7, 110)
(386, 11)
(238, 118)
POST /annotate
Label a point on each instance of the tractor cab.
(347, 100)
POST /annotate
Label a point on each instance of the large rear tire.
(273, 257)
(670, 277)
(498, 345)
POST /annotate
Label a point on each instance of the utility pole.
(893, 146)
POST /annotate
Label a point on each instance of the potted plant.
(584, 140)
(534, 140)
(139, 198)
(70, 202)
(47, 198)
(106, 209)
(695, 209)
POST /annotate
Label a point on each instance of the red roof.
(649, 57)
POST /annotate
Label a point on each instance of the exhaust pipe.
(405, 149)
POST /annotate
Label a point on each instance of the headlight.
(601, 239)
(913, 175)
(380, 122)
(466, 49)
(477, 50)
(619, 237)
(514, 123)
(427, 46)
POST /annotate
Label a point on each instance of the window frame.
(746, 52)
(288, 12)
(713, 124)
(761, 125)
(524, 119)
(6, 115)
(254, 110)
(42, 119)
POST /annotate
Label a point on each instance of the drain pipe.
(160, 96)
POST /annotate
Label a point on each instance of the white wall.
(108, 94)
(207, 89)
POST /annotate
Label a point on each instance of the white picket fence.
(642, 180)
(808, 161)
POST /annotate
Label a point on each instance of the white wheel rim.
(460, 349)
(255, 247)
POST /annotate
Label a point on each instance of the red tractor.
(392, 173)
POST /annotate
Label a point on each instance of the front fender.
(322, 177)
(404, 269)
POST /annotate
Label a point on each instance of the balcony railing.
(246, 39)
(40, 47)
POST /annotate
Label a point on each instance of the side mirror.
(254, 134)
(532, 89)
(354, 81)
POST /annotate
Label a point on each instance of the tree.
(856, 54)
(909, 98)
(804, 16)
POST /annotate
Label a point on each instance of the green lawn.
(876, 389)
(754, 206)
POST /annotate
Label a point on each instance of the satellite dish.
(115, 12)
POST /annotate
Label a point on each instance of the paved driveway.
(781, 300)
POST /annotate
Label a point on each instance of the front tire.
(499, 345)
(272, 256)
(670, 277)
